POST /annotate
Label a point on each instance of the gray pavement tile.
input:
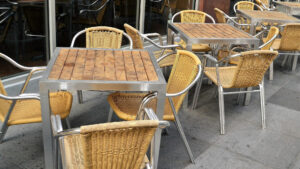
(269, 147)
(286, 98)
(218, 158)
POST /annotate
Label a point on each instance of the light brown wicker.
(248, 73)
(220, 17)
(290, 38)
(103, 37)
(245, 5)
(115, 145)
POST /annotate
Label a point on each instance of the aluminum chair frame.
(143, 114)
(221, 94)
(22, 95)
(79, 92)
(177, 121)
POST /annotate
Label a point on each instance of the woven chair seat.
(195, 47)
(226, 75)
(105, 145)
(29, 111)
(167, 61)
(125, 105)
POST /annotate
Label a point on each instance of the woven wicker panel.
(192, 16)
(184, 70)
(103, 37)
(245, 5)
(118, 145)
(252, 67)
(136, 38)
(220, 16)
(290, 38)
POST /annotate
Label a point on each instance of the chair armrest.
(21, 97)
(189, 86)
(160, 46)
(88, 5)
(211, 58)
(164, 56)
(155, 35)
(94, 10)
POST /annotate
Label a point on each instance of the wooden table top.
(272, 15)
(112, 65)
(289, 4)
(219, 31)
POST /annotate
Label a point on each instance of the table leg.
(161, 96)
(47, 131)
(252, 28)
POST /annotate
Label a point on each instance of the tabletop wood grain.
(272, 15)
(113, 65)
(290, 4)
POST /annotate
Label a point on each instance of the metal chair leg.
(110, 114)
(238, 101)
(180, 130)
(284, 60)
(3, 132)
(262, 105)
(294, 66)
(271, 71)
(80, 96)
(68, 122)
(222, 110)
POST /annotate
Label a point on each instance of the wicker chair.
(101, 37)
(26, 108)
(106, 145)
(222, 17)
(185, 73)
(288, 44)
(265, 5)
(248, 73)
(193, 16)
(137, 37)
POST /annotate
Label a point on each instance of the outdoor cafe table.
(213, 34)
(272, 17)
(72, 69)
(290, 8)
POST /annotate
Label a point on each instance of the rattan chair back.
(274, 31)
(135, 36)
(220, 15)
(115, 145)
(103, 37)
(192, 16)
(184, 71)
(290, 37)
(252, 67)
(245, 5)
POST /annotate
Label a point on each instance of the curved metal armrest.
(76, 36)
(7, 16)
(269, 41)
(14, 63)
(94, 10)
(21, 97)
(231, 19)
(13, 3)
(160, 46)
(189, 86)
(88, 5)
(155, 35)
(164, 56)
(129, 39)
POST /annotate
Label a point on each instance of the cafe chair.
(115, 145)
(265, 5)
(245, 5)
(222, 17)
(185, 73)
(249, 72)
(288, 44)
(193, 16)
(138, 43)
(26, 108)
(101, 37)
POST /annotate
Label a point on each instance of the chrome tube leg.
(110, 113)
(80, 96)
(271, 71)
(185, 103)
(238, 101)
(55, 145)
(294, 66)
(222, 110)
(180, 130)
(284, 60)
(3, 131)
(68, 123)
(262, 105)
(247, 97)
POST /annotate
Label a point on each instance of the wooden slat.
(99, 72)
(69, 65)
(129, 66)
(152, 76)
(110, 73)
(139, 66)
(89, 65)
(120, 66)
(79, 65)
(59, 64)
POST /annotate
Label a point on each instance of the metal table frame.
(254, 21)
(287, 9)
(47, 85)
(254, 42)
